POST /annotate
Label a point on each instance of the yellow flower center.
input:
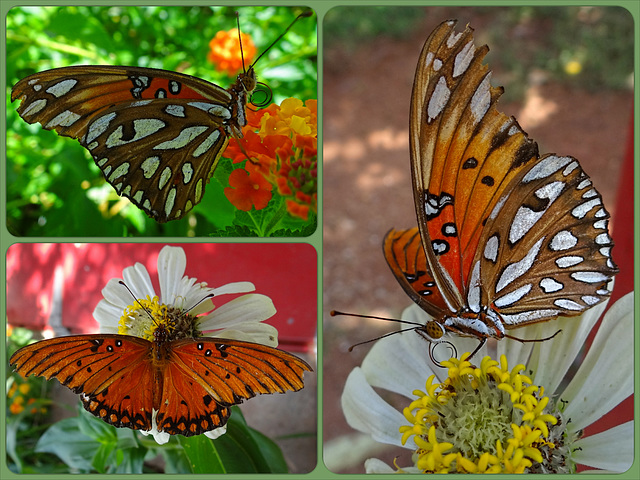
(487, 419)
(147, 315)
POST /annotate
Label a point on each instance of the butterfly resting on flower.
(163, 374)
(156, 135)
(505, 237)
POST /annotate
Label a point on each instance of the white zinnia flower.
(400, 364)
(240, 319)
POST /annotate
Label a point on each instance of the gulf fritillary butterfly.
(189, 383)
(505, 237)
(156, 135)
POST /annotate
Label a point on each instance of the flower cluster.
(21, 395)
(281, 142)
(225, 51)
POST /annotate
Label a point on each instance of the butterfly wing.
(205, 376)
(504, 231)
(161, 153)
(156, 135)
(547, 251)
(405, 255)
(464, 153)
(113, 372)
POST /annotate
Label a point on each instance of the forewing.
(405, 256)
(464, 153)
(113, 372)
(156, 135)
(204, 377)
(65, 99)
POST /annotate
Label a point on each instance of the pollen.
(147, 316)
(486, 419)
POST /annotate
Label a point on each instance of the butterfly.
(156, 135)
(505, 237)
(184, 386)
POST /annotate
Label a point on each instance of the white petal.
(235, 287)
(116, 294)
(552, 359)
(216, 432)
(189, 295)
(196, 307)
(367, 412)
(108, 316)
(374, 465)
(399, 363)
(160, 437)
(605, 377)
(610, 450)
(139, 282)
(247, 308)
(172, 263)
(261, 333)
(515, 351)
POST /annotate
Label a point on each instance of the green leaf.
(175, 460)
(240, 450)
(271, 452)
(65, 440)
(202, 454)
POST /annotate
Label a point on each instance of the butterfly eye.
(249, 80)
(433, 330)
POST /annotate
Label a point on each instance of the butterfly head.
(247, 81)
(432, 331)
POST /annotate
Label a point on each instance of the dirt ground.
(367, 185)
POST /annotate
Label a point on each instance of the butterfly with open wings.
(156, 135)
(163, 373)
(505, 237)
(177, 386)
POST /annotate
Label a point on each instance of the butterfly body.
(189, 384)
(156, 135)
(505, 237)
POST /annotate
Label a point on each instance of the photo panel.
(567, 74)
(182, 126)
(169, 339)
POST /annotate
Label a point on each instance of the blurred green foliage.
(597, 41)
(53, 186)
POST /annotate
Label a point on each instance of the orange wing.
(113, 372)
(404, 253)
(156, 135)
(464, 153)
(86, 90)
(205, 376)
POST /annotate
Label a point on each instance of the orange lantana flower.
(282, 142)
(248, 188)
(225, 54)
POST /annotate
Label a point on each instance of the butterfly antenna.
(138, 301)
(211, 295)
(382, 336)
(335, 313)
(240, 41)
(302, 15)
